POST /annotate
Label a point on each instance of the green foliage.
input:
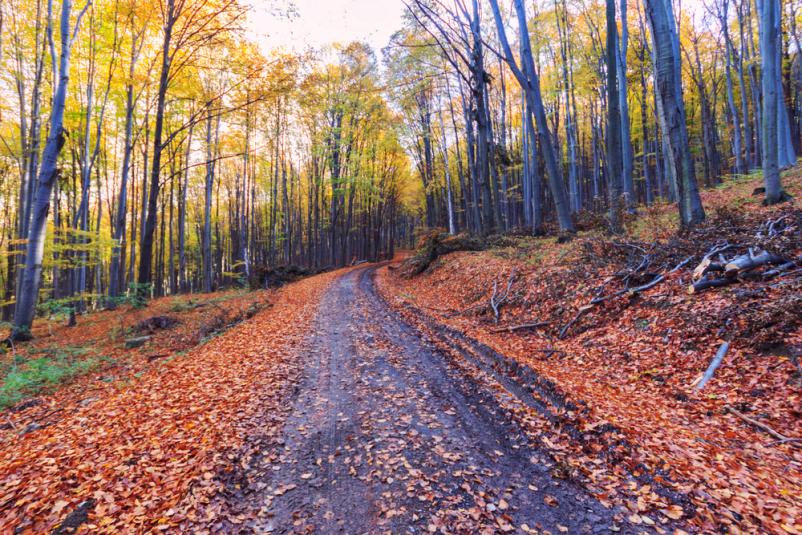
(237, 277)
(59, 308)
(137, 295)
(180, 305)
(27, 378)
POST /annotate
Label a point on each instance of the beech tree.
(668, 83)
(31, 276)
(196, 161)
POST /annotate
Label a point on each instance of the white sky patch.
(318, 23)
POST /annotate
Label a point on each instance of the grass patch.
(24, 378)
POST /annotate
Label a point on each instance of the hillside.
(628, 358)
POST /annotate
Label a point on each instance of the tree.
(187, 25)
(530, 83)
(614, 150)
(772, 91)
(48, 173)
(668, 83)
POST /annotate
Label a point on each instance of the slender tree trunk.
(627, 156)
(146, 242)
(449, 194)
(668, 81)
(48, 174)
(614, 152)
(530, 83)
(769, 40)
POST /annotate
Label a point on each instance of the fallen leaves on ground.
(630, 363)
(145, 453)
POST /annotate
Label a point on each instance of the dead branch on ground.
(780, 438)
(513, 328)
(497, 300)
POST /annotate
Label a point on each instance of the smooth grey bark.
(528, 79)
(627, 156)
(449, 193)
(536, 188)
(505, 194)
(786, 157)
(570, 129)
(117, 264)
(526, 159)
(754, 83)
(749, 160)
(48, 173)
(492, 160)
(668, 82)
(614, 150)
(460, 171)
(483, 140)
(740, 168)
(769, 40)
(470, 142)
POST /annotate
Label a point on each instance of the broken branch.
(523, 326)
(722, 351)
(781, 439)
(750, 261)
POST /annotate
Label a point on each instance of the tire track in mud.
(388, 435)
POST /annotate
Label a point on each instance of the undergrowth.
(26, 377)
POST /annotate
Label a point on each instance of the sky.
(317, 23)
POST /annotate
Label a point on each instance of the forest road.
(387, 435)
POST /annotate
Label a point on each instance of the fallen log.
(705, 282)
(707, 264)
(779, 269)
(705, 267)
(750, 261)
(722, 351)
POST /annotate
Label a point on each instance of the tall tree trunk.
(182, 217)
(627, 156)
(48, 174)
(449, 194)
(614, 152)
(146, 242)
(668, 80)
(482, 122)
(530, 83)
(740, 168)
(769, 41)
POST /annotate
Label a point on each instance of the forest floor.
(629, 422)
(134, 442)
(362, 400)
(324, 411)
(389, 435)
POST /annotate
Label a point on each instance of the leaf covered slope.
(631, 360)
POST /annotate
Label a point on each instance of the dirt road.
(388, 435)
